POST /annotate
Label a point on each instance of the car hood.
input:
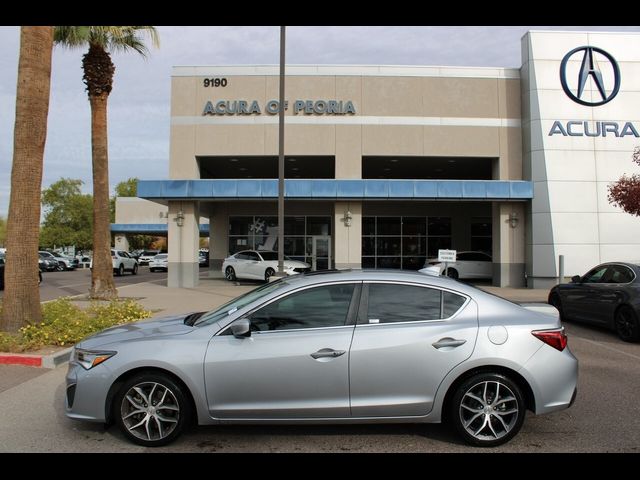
(155, 327)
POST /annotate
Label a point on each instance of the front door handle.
(328, 352)
(448, 342)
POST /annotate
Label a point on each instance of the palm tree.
(21, 303)
(98, 77)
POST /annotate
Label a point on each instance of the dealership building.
(385, 165)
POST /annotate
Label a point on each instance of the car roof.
(326, 276)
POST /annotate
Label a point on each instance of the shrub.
(63, 323)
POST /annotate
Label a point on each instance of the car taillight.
(114, 257)
(555, 338)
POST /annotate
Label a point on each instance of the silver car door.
(407, 339)
(295, 363)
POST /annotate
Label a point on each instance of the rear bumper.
(553, 378)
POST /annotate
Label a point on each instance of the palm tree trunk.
(21, 303)
(102, 284)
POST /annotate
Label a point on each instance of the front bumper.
(86, 392)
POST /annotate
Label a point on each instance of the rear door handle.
(328, 352)
(448, 342)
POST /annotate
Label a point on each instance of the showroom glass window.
(403, 242)
(261, 233)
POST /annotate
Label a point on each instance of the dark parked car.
(2, 273)
(608, 295)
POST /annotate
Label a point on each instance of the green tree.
(21, 302)
(68, 215)
(3, 231)
(98, 78)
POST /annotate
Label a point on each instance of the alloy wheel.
(489, 410)
(150, 411)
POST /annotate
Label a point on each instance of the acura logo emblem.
(593, 58)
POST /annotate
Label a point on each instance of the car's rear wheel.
(488, 409)
(230, 274)
(151, 409)
(452, 273)
(135, 269)
(556, 302)
(626, 324)
(269, 272)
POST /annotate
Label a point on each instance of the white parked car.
(468, 265)
(159, 262)
(259, 265)
(146, 256)
(122, 262)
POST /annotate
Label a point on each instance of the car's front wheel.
(151, 409)
(488, 409)
(135, 269)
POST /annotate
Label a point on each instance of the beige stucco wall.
(447, 112)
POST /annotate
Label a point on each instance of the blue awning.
(150, 228)
(316, 189)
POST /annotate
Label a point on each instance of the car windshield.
(270, 256)
(239, 302)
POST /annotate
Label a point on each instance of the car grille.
(302, 270)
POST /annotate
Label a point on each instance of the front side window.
(393, 303)
(317, 307)
(595, 275)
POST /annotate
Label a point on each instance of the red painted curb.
(28, 360)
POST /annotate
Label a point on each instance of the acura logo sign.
(594, 61)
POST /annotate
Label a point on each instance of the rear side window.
(619, 274)
(393, 303)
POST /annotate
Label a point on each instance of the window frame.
(350, 320)
(612, 265)
(363, 308)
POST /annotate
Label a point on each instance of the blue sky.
(139, 103)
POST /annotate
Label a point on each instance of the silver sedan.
(340, 347)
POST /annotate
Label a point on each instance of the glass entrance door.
(320, 252)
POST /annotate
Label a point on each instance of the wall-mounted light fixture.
(513, 219)
(347, 218)
(180, 218)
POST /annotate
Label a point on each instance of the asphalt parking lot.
(77, 282)
(604, 418)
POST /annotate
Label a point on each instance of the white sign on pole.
(447, 256)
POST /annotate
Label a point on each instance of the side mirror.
(575, 279)
(241, 328)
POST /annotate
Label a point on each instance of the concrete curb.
(31, 360)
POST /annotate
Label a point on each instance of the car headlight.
(91, 358)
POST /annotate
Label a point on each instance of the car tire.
(135, 269)
(626, 324)
(452, 273)
(269, 272)
(152, 270)
(121, 270)
(230, 274)
(487, 409)
(554, 300)
(39, 277)
(151, 409)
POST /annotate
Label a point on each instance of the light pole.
(281, 160)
